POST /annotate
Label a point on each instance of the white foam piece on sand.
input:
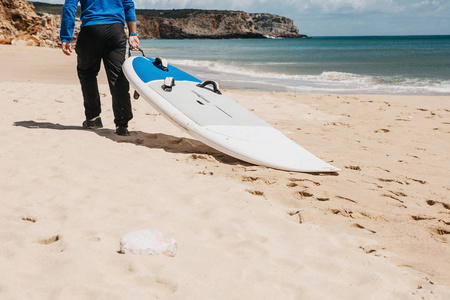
(147, 242)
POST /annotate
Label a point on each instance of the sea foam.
(329, 81)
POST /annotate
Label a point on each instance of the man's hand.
(67, 48)
(133, 41)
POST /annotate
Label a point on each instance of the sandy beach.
(379, 229)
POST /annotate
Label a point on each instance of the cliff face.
(215, 25)
(18, 21)
(21, 24)
(275, 26)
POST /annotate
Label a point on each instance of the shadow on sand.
(166, 142)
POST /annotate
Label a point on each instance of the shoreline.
(380, 227)
(236, 81)
(64, 71)
(357, 68)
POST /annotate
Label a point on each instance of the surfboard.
(205, 113)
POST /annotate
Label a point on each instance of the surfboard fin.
(161, 63)
(169, 82)
(214, 84)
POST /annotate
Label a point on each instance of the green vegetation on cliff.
(56, 9)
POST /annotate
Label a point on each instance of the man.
(102, 37)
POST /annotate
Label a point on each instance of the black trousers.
(108, 43)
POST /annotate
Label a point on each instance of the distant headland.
(37, 23)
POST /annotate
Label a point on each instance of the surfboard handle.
(214, 84)
(135, 49)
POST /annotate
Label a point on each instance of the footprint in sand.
(416, 180)
(256, 193)
(444, 222)
(440, 231)
(345, 213)
(432, 202)
(395, 198)
(206, 173)
(382, 130)
(308, 180)
(362, 227)
(368, 251)
(249, 178)
(355, 168)
(252, 179)
(422, 218)
(305, 194)
(166, 285)
(345, 198)
(29, 219)
(201, 157)
(390, 180)
(398, 194)
(323, 199)
(296, 213)
(50, 240)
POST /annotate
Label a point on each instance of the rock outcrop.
(18, 21)
(275, 26)
(21, 23)
(198, 24)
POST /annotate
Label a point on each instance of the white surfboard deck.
(218, 121)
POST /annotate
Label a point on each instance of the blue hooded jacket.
(95, 12)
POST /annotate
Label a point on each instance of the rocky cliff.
(275, 26)
(38, 24)
(20, 24)
(185, 24)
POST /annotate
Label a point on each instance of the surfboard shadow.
(163, 141)
(170, 143)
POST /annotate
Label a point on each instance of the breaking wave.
(250, 77)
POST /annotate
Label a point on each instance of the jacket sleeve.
(130, 13)
(68, 20)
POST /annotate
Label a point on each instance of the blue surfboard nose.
(147, 71)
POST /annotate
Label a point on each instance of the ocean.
(410, 65)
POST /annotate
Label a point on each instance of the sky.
(334, 17)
